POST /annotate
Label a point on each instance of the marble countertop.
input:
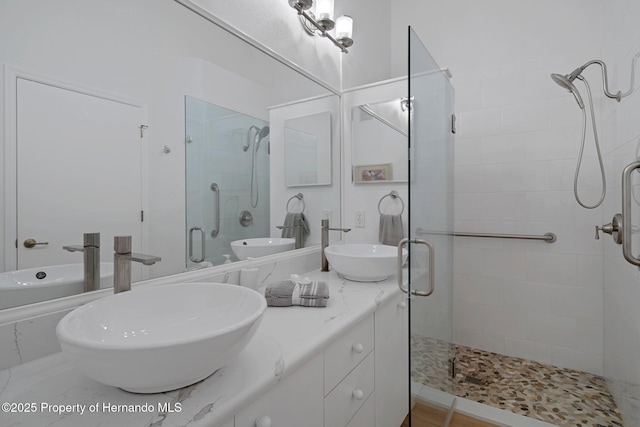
(51, 392)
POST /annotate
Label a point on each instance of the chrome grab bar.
(547, 237)
(201, 230)
(432, 275)
(626, 213)
(214, 187)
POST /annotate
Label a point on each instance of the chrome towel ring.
(394, 195)
(298, 196)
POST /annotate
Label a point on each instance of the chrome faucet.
(297, 229)
(325, 241)
(122, 258)
(91, 250)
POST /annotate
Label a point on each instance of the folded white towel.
(305, 294)
(391, 230)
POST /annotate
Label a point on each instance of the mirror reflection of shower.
(214, 155)
(254, 138)
(566, 82)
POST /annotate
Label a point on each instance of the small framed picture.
(373, 173)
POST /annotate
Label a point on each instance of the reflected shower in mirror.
(227, 181)
(379, 147)
(307, 150)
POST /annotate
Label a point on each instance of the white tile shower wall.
(516, 148)
(621, 279)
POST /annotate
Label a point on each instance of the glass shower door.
(431, 136)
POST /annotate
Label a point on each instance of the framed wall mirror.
(307, 150)
(66, 56)
(379, 142)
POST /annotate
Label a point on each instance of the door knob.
(30, 243)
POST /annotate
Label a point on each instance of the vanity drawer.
(366, 416)
(297, 401)
(346, 352)
(347, 397)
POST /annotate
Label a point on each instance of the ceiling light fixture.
(320, 23)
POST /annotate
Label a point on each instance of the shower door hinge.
(452, 367)
(141, 216)
(142, 128)
(453, 123)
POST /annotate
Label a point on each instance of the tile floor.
(559, 396)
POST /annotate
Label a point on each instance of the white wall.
(275, 24)
(621, 279)
(516, 148)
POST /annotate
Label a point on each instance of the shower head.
(263, 133)
(566, 82)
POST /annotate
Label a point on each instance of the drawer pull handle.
(357, 347)
(358, 394)
(402, 305)
(263, 421)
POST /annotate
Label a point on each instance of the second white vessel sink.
(37, 284)
(161, 338)
(261, 246)
(362, 262)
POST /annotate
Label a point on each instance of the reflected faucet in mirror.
(122, 258)
(297, 227)
(325, 241)
(91, 251)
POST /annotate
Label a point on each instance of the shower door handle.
(214, 187)
(431, 265)
(626, 214)
(191, 257)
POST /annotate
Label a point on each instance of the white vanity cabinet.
(359, 380)
(296, 401)
(349, 366)
(392, 363)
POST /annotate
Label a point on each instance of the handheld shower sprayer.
(261, 133)
(566, 82)
(246, 146)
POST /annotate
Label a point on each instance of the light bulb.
(324, 10)
(324, 14)
(344, 30)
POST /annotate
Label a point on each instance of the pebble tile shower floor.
(563, 397)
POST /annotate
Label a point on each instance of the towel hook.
(298, 196)
(394, 195)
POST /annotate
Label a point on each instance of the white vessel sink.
(161, 338)
(363, 262)
(37, 284)
(261, 246)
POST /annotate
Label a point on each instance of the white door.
(78, 171)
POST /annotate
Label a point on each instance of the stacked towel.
(290, 292)
(290, 222)
(391, 231)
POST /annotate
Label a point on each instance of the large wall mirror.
(105, 110)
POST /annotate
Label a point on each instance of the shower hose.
(597, 144)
